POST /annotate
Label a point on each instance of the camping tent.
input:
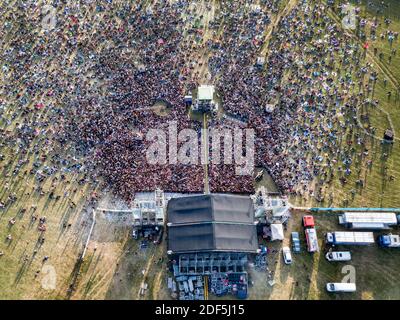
(277, 231)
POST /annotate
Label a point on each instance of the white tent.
(205, 92)
(277, 231)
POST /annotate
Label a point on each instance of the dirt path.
(146, 271)
(201, 54)
(157, 285)
(206, 178)
(204, 73)
(289, 6)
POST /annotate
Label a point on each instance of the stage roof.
(217, 222)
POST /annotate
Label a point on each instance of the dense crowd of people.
(303, 103)
(151, 72)
(91, 87)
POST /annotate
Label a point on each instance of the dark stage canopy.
(216, 222)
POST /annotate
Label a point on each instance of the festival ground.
(115, 266)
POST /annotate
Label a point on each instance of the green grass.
(375, 268)
(378, 191)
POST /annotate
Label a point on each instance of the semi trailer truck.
(350, 238)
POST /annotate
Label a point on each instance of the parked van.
(287, 256)
(338, 256)
(341, 287)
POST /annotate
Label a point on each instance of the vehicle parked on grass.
(287, 256)
(341, 287)
(350, 238)
(159, 235)
(308, 221)
(368, 220)
(312, 240)
(338, 256)
(311, 234)
(389, 241)
(296, 242)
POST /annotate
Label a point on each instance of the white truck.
(312, 240)
(338, 256)
(350, 238)
(368, 220)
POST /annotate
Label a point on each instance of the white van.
(287, 256)
(338, 256)
(341, 287)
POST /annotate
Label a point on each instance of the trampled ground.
(115, 266)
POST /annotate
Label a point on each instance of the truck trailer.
(312, 240)
(350, 238)
(389, 241)
(368, 220)
(311, 233)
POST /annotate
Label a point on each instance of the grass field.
(307, 276)
(378, 190)
(115, 266)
